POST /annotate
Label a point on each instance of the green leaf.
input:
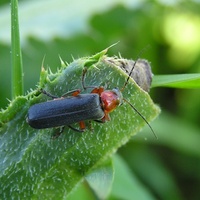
(177, 81)
(101, 179)
(82, 191)
(17, 71)
(97, 184)
(35, 166)
(126, 185)
(154, 176)
(187, 141)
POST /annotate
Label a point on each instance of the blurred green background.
(168, 168)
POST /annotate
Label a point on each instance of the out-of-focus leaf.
(82, 191)
(180, 136)
(177, 81)
(126, 185)
(36, 21)
(97, 184)
(151, 171)
(101, 179)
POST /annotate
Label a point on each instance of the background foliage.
(164, 168)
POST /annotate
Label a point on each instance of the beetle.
(65, 111)
(77, 108)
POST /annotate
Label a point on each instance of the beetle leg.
(104, 119)
(82, 125)
(83, 78)
(72, 93)
(83, 81)
(57, 134)
(75, 129)
(90, 126)
(48, 94)
(98, 90)
(99, 121)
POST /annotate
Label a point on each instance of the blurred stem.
(17, 70)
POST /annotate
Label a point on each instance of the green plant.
(32, 162)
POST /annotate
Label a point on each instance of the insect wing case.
(65, 111)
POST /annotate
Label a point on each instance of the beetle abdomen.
(65, 111)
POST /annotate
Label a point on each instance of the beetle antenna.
(129, 75)
(83, 78)
(131, 71)
(141, 117)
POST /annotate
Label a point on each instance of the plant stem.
(17, 69)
